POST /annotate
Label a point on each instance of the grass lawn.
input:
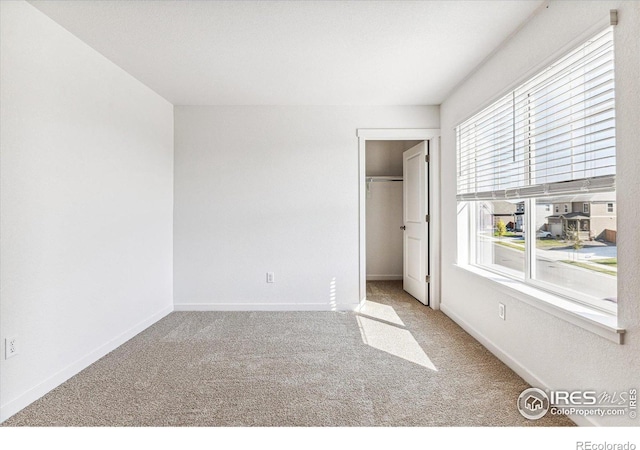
(511, 245)
(590, 267)
(506, 234)
(608, 261)
(552, 243)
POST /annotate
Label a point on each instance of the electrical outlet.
(502, 311)
(271, 277)
(10, 347)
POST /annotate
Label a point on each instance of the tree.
(574, 235)
(501, 228)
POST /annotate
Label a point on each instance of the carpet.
(396, 363)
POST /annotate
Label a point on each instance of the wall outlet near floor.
(10, 347)
(502, 311)
(271, 278)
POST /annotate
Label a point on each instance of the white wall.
(262, 189)
(86, 222)
(384, 236)
(544, 349)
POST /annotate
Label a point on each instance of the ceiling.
(294, 52)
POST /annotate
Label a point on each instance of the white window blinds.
(553, 134)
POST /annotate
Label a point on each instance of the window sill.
(590, 319)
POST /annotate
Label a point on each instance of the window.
(578, 258)
(551, 141)
(498, 245)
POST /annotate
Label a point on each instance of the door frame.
(433, 175)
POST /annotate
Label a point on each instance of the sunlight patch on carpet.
(393, 340)
(381, 312)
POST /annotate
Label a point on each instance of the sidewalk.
(589, 254)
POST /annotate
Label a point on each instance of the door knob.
(403, 227)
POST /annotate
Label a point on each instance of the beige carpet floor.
(397, 363)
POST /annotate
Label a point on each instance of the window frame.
(590, 319)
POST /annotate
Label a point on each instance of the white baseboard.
(10, 408)
(264, 307)
(384, 277)
(510, 361)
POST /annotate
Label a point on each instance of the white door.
(415, 241)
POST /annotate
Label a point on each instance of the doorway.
(398, 230)
(387, 242)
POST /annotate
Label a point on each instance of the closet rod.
(383, 178)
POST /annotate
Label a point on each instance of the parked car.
(543, 235)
